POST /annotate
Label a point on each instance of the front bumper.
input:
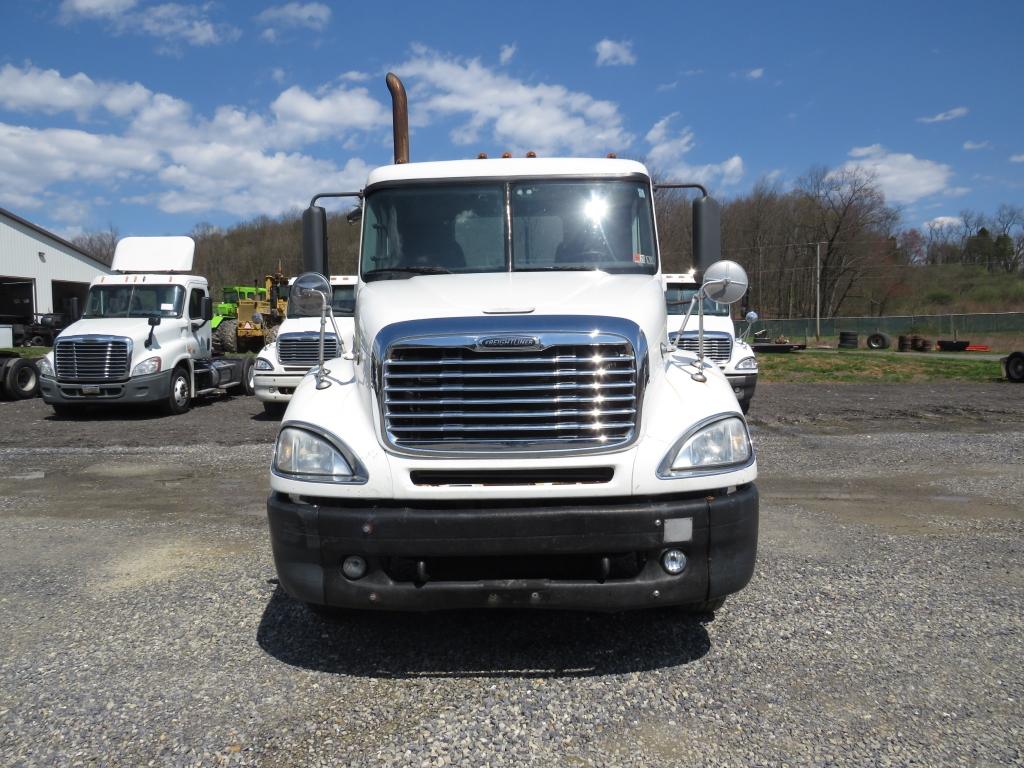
(138, 389)
(743, 385)
(310, 540)
(277, 388)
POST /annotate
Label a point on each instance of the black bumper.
(139, 389)
(310, 541)
(743, 385)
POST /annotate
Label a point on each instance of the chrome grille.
(581, 392)
(92, 358)
(717, 347)
(304, 348)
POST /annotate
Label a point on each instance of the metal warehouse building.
(39, 271)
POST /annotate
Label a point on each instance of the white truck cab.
(734, 356)
(512, 426)
(281, 364)
(144, 336)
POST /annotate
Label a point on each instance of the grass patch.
(815, 366)
(31, 352)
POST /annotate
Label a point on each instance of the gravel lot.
(142, 626)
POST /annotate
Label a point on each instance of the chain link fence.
(946, 326)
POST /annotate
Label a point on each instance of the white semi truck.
(512, 425)
(281, 364)
(144, 336)
(733, 355)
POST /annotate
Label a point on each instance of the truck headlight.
(714, 446)
(305, 455)
(147, 366)
(44, 367)
(262, 364)
(747, 364)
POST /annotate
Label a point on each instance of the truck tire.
(226, 336)
(706, 607)
(879, 341)
(249, 376)
(274, 410)
(179, 395)
(1013, 366)
(21, 379)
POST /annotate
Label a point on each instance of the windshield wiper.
(390, 272)
(555, 269)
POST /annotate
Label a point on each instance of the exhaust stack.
(399, 118)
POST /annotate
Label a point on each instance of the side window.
(195, 304)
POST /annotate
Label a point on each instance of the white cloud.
(354, 76)
(517, 116)
(943, 222)
(972, 145)
(170, 22)
(314, 16)
(507, 52)
(903, 177)
(612, 53)
(277, 74)
(668, 149)
(304, 117)
(1017, 158)
(31, 89)
(943, 117)
(95, 8)
(755, 74)
(663, 87)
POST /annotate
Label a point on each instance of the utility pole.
(817, 291)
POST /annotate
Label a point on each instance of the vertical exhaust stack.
(399, 118)
(707, 233)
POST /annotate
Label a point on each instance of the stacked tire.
(903, 344)
(848, 340)
(19, 378)
(920, 344)
(1013, 367)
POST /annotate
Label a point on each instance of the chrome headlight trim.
(747, 364)
(359, 474)
(665, 471)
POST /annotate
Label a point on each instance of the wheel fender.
(215, 321)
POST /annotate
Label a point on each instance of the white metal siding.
(19, 257)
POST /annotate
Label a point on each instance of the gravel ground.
(884, 625)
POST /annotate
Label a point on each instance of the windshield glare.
(134, 301)
(555, 225)
(343, 303)
(677, 301)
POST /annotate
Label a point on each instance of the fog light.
(673, 561)
(354, 567)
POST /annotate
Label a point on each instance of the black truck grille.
(304, 349)
(716, 347)
(92, 359)
(568, 395)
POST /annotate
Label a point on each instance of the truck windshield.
(230, 296)
(678, 298)
(134, 301)
(520, 226)
(343, 303)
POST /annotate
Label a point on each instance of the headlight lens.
(44, 367)
(747, 364)
(147, 366)
(262, 364)
(720, 444)
(309, 456)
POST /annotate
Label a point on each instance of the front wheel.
(179, 398)
(249, 376)
(21, 379)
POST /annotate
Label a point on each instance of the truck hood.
(711, 323)
(639, 298)
(134, 328)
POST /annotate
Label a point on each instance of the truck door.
(199, 343)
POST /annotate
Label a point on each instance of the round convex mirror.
(309, 293)
(751, 316)
(725, 282)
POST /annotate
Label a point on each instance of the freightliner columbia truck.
(512, 425)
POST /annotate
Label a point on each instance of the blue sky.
(154, 116)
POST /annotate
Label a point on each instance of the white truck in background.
(733, 355)
(281, 364)
(512, 426)
(144, 337)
